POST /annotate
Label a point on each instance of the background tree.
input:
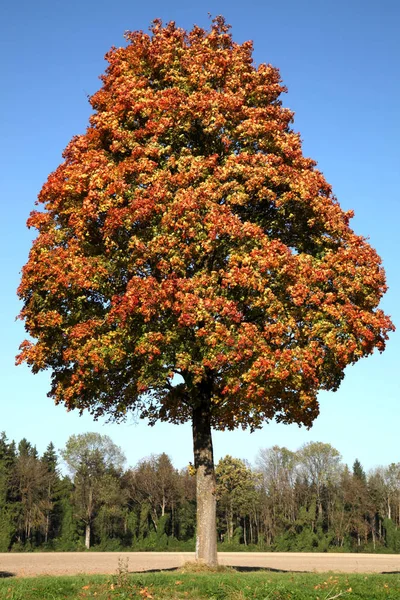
(31, 480)
(278, 470)
(185, 520)
(93, 460)
(236, 492)
(273, 506)
(191, 264)
(7, 498)
(111, 514)
(320, 465)
(154, 487)
(358, 471)
(50, 461)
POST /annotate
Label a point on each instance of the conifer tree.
(7, 504)
(358, 471)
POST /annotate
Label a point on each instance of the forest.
(84, 497)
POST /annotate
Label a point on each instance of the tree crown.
(186, 244)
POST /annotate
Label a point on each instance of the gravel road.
(73, 563)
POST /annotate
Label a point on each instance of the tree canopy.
(189, 257)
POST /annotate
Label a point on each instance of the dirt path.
(73, 563)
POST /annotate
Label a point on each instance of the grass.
(187, 584)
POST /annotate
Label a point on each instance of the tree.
(31, 484)
(320, 464)
(236, 492)
(52, 481)
(278, 470)
(92, 460)
(155, 482)
(191, 264)
(391, 476)
(358, 471)
(7, 498)
(25, 449)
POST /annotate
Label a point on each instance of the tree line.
(290, 501)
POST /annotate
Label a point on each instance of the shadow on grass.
(233, 568)
(4, 574)
(269, 569)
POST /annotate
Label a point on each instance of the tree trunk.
(46, 531)
(229, 521)
(206, 528)
(320, 511)
(228, 527)
(87, 536)
(154, 519)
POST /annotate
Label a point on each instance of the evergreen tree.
(70, 531)
(52, 509)
(50, 458)
(30, 477)
(358, 471)
(8, 506)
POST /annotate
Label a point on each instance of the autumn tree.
(191, 264)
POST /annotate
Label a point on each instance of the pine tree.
(8, 505)
(358, 471)
(52, 483)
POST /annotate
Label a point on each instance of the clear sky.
(340, 61)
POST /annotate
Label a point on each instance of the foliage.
(185, 234)
(392, 535)
(236, 495)
(7, 511)
(94, 451)
(96, 464)
(358, 471)
(279, 506)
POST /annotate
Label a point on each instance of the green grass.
(220, 585)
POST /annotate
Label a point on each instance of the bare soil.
(74, 563)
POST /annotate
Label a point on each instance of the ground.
(73, 563)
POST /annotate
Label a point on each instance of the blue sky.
(339, 60)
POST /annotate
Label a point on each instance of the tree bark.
(206, 530)
(46, 531)
(87, 536)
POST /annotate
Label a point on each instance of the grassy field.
(187, 584)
